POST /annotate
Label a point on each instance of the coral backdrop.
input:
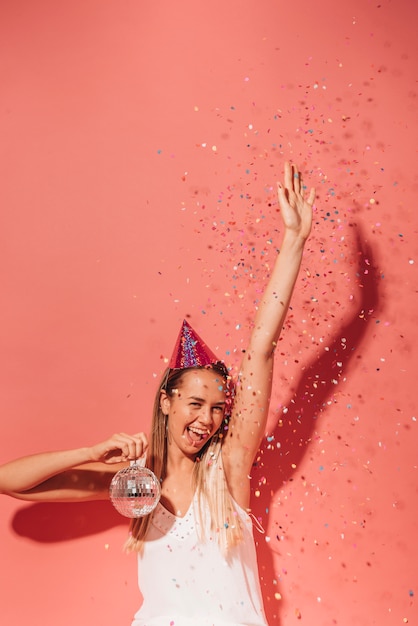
(141, 142)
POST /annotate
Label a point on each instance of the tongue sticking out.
(195, 436)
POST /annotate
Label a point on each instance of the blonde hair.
(208, 475)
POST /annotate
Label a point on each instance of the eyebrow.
(203, 400)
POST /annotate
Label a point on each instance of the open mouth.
(197, 435)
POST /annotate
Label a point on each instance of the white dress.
(185, 582)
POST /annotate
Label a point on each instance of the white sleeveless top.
(185, 582)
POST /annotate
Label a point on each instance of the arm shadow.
(295, 429)
(52, 522)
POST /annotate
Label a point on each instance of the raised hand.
(295, 209)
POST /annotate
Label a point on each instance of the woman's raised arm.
(249, 417)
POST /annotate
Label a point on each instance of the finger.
(288, 176)
(312, 195)
(125, 446)
(296, 179)
(141, 444)
(137, 445)
(281, 194)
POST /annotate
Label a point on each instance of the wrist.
(293, 240)
(80, 456)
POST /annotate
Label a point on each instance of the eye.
(218, 409)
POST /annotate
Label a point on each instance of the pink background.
(141, 141)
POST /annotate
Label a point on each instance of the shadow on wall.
(49, 522)
(295, 430)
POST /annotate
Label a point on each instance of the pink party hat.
(190, 350)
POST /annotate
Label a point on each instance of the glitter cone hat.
(190, 350)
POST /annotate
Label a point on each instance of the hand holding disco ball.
(135, 491)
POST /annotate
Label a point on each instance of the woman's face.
(195, 410)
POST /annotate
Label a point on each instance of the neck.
(177, 462)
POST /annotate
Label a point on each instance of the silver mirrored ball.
(135, 491)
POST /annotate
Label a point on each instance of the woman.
(196, 556)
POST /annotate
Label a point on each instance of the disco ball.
(135, 491)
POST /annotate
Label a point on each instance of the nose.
(205, 415)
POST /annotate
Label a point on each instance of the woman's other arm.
(68, 475)
(249, 418)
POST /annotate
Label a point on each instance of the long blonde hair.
(208, 475)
